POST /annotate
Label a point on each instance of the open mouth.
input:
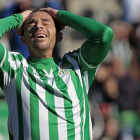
(40, 36)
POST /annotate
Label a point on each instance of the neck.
(44, 53)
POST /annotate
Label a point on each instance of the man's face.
(39, 32)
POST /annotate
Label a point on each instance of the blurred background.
(115, 93)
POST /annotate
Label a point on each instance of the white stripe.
(90, 127)
(77, 69)
(43, 110)
(14, 53)
(1, 64)
(11, 98)
(96, 71)
(86, 80)
(60, 109)
(6, 79)
(84, 115)
(25, 95)
(75, 104)
(14, 64)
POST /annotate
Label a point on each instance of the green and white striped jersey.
(47, 98)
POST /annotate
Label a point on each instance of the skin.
(40, 22)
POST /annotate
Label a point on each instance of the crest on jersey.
(64, 69)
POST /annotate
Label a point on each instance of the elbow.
(107, 36)
(102, 38)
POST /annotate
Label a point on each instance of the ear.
(23, 40)
(59, 36)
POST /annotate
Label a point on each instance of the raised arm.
(99, 36)
(7, 24)
(13, 22)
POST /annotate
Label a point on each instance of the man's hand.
(25, 14)
(53, 13)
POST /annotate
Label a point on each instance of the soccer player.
(47, 95)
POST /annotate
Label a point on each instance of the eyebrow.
(33, 20)
(30, 21)
(46, 19)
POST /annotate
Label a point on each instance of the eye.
(31, 25)
(46, 22)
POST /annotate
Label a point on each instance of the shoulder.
(70, 59)
(72, 55)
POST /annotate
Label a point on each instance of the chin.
(41, 46)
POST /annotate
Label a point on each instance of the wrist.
(25, 14)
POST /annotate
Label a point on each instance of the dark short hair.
(55, 21)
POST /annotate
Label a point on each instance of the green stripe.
(34, 106)
(2, 52)
(86, 127)
(91, 75)
(18, 57)
(53, 122)
(7, 68)
(6, 65)
(52, 115)
(67, 104)
(79, 92)
(19, 102)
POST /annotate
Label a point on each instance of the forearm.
(98, 36)
(88, 27)
(95, 50)
(9, 23)
(6, 24)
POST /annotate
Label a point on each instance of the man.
(47, 95)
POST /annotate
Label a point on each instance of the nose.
(38, 25)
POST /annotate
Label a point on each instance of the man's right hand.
(53, 13)
(24, 14)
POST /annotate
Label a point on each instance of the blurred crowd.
(115, 93)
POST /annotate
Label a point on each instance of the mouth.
(40, 36)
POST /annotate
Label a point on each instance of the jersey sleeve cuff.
(84, 63)
(19, 19)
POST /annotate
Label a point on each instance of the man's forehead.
(39, 14)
